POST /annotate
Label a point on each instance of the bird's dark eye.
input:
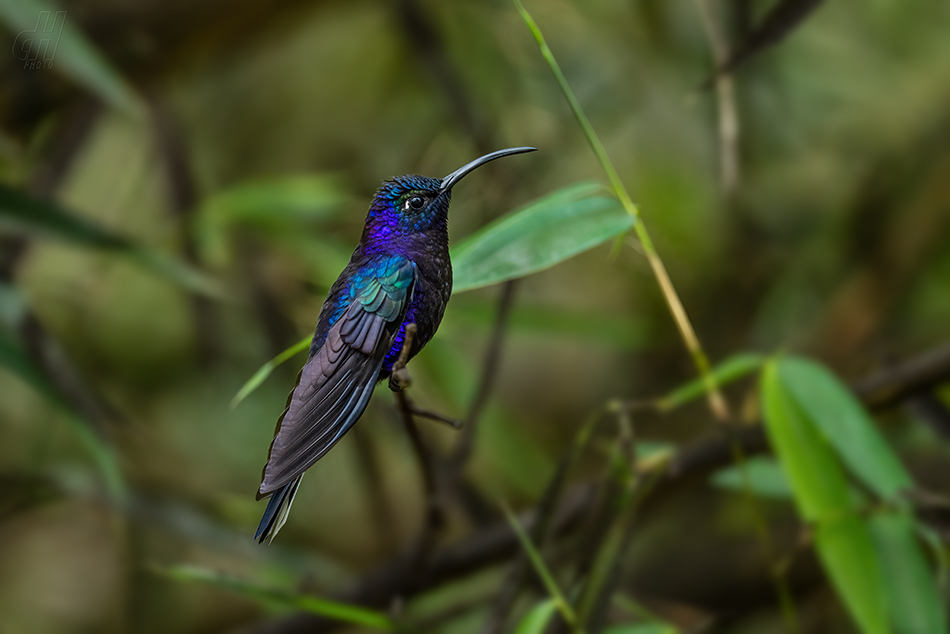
(416, 202)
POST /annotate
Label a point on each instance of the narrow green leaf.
(344, 612)
(14, 359)
(104, 457)
(941, 558)
(264, 371)
(581, 117)
(538, 236)
(22, 212)
(26, 214)
(563, 605)
(914, 602)
(641, 628)
(842, 538)
(645, 617)
(609, 552)
(279, 210)
(277, 200)
(180, 273)
(846, 425)
(605, 562)
(47, 38)
(764, 477)
(13, 308)
(716, 402)
(537, 618)
(649, 451)
(820, 487)
(847, 553)
(732, 369)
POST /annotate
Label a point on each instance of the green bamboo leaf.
(53, 39)
(763, 476)
(611, 547)
(845, 425)
(336, 610)
(104, 457)
(556, 595)
(180, 273)
(25, 214)
(537, 618)
(647, 623)
(264, 371)
(605, 562)
(277, 200)
(14, 359)
(914, 602)
(13, 307)
(842, 538)
(732, 369)
(641, 628)
(817, 480)
(847, 553)
(538, 236)
(716, 402)
(277, 208)
(934, 544)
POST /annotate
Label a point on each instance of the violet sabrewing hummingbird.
(399, 274)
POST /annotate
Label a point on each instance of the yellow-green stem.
(547, 578)
(716, 402)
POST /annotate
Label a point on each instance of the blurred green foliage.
(183, 181)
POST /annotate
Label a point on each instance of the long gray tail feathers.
(278, 508)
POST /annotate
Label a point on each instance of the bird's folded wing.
(337, 381)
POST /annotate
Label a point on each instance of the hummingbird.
(399, 274)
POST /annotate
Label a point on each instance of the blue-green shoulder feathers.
(334, 386)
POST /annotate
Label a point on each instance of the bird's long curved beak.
(449, 181)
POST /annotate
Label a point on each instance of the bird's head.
(413, 204)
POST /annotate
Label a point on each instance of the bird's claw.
(399, 379)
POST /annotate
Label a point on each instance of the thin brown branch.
(435, 514)
(486, 382)
(406, 348)
(895, 383)
(421, 412)
(932, 411)
(695, 462)
(610, 528)
(778, 23)
(728, 117)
